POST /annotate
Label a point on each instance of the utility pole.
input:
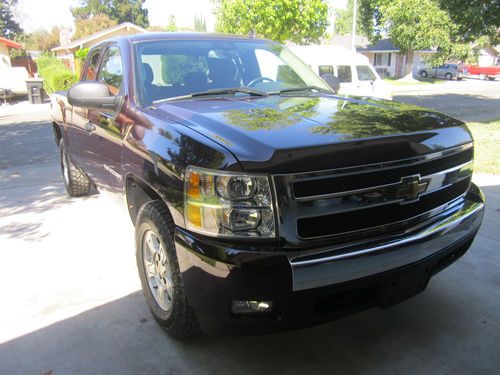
(354, 15)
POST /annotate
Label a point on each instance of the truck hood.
(288, 134)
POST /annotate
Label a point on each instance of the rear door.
(102, 158)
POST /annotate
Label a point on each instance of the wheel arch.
(137, 193)
(57, 132)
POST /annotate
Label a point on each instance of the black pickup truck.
(261, 200)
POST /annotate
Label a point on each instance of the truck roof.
(183, 36)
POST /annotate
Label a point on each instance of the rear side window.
(345, 74)
(111, 71)
(325, 69)
(91, 71)
(365, 73)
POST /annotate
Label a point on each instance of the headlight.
(218, 203)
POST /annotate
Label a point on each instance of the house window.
(382, 59)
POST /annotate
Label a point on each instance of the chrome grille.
(373, 199)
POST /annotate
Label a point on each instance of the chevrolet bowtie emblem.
(411, 188)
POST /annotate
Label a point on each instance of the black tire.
(76, 182)
(181, 320)
(448, 76)
(423, 74)
(491, 78)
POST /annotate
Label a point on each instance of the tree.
(9, 28)
(171, 26)
(200, 25)
(89, 26)
(475, 18)
(118, 10)
(297, 21)
(42, 40)
(411, 25)
(343, 20)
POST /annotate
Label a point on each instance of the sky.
(45, 14)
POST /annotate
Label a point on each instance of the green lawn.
(487, 146)
(418, 81)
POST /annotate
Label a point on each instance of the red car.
(483, 72)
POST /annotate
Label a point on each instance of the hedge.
(55, 74)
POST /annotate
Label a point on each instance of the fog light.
(251, 307)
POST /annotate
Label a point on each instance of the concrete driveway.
(467, 100)
(71, 301)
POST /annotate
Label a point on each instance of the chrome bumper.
(346, 265)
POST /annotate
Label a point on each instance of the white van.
(354, 71)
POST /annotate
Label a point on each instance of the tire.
(76, 182)
(448, 76)
(491, 78)
(155, 229)
(459, 78)
(423, 74)
(482, 76)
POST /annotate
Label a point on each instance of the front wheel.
(482, 76)
(159, 271)
(423, 74)
(448, 76)
(76, 182)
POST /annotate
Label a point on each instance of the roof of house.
(346, 41)
(99, 34)
(386, 45)
(382, 45)
(10, 43)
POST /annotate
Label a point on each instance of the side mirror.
(95, 95)
(332, 81)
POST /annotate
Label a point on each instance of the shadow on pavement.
(25, 143)
(465, 107)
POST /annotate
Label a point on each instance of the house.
(67, 50)
(5, 47)
(489, 56)
(12, 78)
(388, 59)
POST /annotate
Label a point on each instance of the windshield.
(173, 68)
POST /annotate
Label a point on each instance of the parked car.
(447, 71)
(354, 71)
(481, 72)
(262, 200)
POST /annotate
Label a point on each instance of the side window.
(325, 69)
(91, 70)
(365, 73)
(111, 71)
(345, 74)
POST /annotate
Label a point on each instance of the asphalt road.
(467, 100)
(71, 299)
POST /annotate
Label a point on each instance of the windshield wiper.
(305, 88)
(230, 90)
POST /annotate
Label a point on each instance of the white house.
(388, 59)
(66, 51)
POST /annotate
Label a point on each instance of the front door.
(102, 158)
(365, 80)
(79, 136)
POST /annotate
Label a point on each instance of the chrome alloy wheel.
(157, 270)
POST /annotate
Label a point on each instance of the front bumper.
(318, 286)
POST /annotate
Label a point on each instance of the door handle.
(89, 127)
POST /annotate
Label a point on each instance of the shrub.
(56, 75)
(63, 80)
